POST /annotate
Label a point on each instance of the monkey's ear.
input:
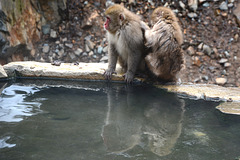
(121, 17)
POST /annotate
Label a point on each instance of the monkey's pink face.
(106, 24)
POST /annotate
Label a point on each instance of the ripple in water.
(14, 107)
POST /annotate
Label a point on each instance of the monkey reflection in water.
(154, 125)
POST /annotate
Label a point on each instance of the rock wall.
(21, 22)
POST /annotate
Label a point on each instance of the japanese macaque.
(125, 34)
(164, 39)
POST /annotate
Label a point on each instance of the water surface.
(99, 121)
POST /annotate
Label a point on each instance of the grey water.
(55, 120)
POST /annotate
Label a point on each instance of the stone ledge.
(229, 107)
(206, 91)
(84, 71)
(230, 96)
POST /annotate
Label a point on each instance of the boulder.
(21, 22)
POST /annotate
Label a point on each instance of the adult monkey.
(125, 34)
(164, 39)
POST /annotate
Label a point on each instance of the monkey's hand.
(108, 74)
(128, 77)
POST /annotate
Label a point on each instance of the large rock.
(21, 22)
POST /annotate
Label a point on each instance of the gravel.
(211, 37)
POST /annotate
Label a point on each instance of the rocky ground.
(211, 33)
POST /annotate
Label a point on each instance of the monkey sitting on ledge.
(164, 39)
(125, 35)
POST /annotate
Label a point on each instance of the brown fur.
(125, 34)
(165, 39)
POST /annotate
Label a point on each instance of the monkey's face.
(106, 24)
(114, 18)
(112, 23)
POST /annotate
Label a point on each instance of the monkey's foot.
(128, 77)
(108, 74)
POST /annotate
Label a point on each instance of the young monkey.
(164, 39)
(125, 35)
